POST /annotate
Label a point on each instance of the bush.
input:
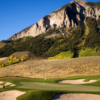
(89, 52)
(63, 55)
(2, 64)
(13, 60)
(23, 58)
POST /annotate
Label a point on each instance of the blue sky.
(15, 15)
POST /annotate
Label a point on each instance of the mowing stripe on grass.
(58, 87)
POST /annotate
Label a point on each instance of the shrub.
(13, 60)
(63, 55)
(2, 64)
(23, 58)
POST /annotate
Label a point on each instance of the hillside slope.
(59, 40)
(65, 16)
(53, 68)
(2, 44)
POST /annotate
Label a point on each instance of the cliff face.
(67, 16)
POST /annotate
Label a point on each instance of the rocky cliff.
(65, 16)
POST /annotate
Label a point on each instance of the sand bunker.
(76, 97)
(6, 84)
(10, 95)
(12, 85)
(80, 81)
(1, 82)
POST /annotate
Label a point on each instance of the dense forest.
(73, 39)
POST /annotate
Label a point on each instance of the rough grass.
(63, 55)
(37, 95)
(20, 54)
(16, 54)
(4, 59)
(89, 52)
(58, 68)
(23, 53)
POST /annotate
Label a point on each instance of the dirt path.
(76, 97)
(10, 95)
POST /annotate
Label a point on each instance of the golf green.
(57, 87)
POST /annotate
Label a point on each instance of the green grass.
(87, 78)
(58, 87)
(37, 95)
(38, 90)
(89, 52)
(63, 55)
(99, 27)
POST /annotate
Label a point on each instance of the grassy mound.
(37, 95)
(17, 57)
(20, 54)
(30, 55)
(4, 59)
(57, 68)
(63, 55)
(89, 52)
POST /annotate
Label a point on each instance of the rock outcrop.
(64, 16)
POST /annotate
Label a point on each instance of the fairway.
(46, 90)
(58, 87)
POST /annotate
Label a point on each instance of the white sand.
(76, 97)
(0, 86)
(6, 84)
(12, 85)
(1, 82)
(80, 81)
(10, 95)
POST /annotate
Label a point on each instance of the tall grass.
(89, 52)
(63, 55)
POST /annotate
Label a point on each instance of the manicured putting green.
(58, 87)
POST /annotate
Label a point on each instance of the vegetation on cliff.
(93, 4)
(64, 39)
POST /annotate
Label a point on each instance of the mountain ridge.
(65, 16)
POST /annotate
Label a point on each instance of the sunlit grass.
(63, 55)
(89, 52)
